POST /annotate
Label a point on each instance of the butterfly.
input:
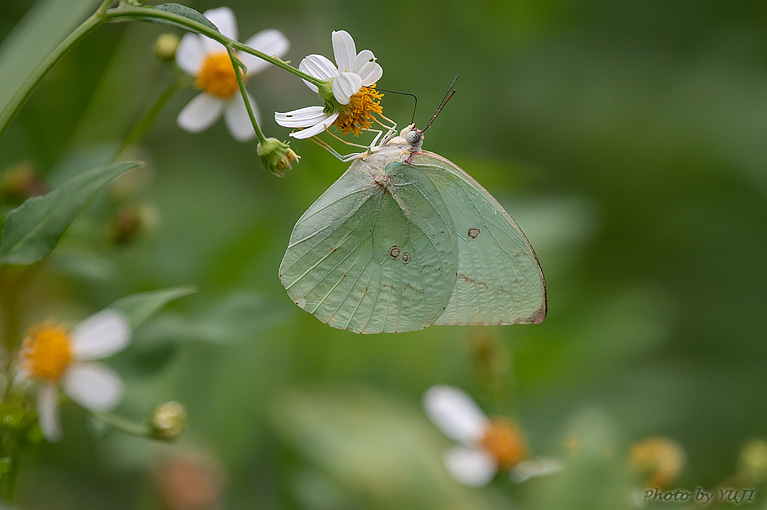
(405, 239)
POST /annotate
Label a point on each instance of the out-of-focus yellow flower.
(658, 460)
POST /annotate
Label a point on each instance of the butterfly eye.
(413, 137)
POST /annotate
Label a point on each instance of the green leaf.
(33, 229)
(33, 39)
(140, 306)
(187, 12)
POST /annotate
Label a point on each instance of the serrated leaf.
(142, 305)
(33, 229)
(187, 12)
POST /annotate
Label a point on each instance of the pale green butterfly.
(405, 239)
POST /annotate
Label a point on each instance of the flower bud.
(130, 222)
(752, 462)
(168, 421)
(165, 47)
(276, 156)
(21, 182)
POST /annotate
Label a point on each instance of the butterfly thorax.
(397, 149)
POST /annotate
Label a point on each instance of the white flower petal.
(100, 335)
(319, 67)
(455, 413)
(270, 42)
(316, 129)
(539, 466)
(48, 411)
(344, 50)
(345, 86)
(224, 19)
(238, 120)
(200, 113)
(370, 73)
(93, 386)
(303, 117)
(362, 58)
(190, 54)
(475, 468)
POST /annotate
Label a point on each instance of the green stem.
(238, 68)
(124, 424)
(149, 13)
(143, 125)
(21, 95)
(9, 479)
(9, 305)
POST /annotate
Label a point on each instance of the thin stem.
(10, 312)
(149, 13)
(124, 424)
(9, 485)
(143, 125)
(21, 95)
(238, 68)
(103, 7)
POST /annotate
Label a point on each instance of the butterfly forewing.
(498, 279)
(374, 255)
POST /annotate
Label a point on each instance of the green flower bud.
(165, 47)
(752, 464)
(168, 421)
(276, 156)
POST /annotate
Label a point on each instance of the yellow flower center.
(503, 440)
(46, 352)
(356, 116)
(217, 76)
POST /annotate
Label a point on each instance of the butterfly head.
(413, 136)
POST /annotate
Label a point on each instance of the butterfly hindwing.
(498, 279)
(374, 255)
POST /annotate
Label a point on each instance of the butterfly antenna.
(415, 100)
(448, 95)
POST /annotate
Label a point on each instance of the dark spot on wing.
(394, 252)
(472, 280)
(474, 232)
(405, 257)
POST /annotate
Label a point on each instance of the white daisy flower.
(53, 356)
(487, 445)
(208, 61)
(353, 86)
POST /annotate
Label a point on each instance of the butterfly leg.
(341, 157)
(391, 129)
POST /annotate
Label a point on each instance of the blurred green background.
(626, 138)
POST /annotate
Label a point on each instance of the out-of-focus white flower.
(53, 356)
(487, 445)
(353, 87)
(209, 62)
